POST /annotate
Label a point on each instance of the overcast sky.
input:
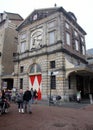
(83, 10)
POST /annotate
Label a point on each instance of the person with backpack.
(19, 99)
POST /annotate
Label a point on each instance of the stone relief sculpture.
(36, 39)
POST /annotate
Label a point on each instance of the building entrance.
(35, 82)
(83, 84)
(7, 83)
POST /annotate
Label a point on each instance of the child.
(20, 101)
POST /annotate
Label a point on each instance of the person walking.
(20, 101)
(35, 95)
(27, 100)
(78, 96)
(32, 94)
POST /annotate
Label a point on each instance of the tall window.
(23, 46)
(21, 69)
(83, 49)
(52, 37)
(82, 39)
(68, 41)
(53, 82)
(76, 45)
(67, 25)
(52, 64)
(75, 33)
(21, 83)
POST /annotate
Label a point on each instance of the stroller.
(4, 105)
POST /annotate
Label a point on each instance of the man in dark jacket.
(27, 100)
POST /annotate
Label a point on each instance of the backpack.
(19, 98)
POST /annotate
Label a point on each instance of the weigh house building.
(51, 55)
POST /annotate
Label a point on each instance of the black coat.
(27, 96)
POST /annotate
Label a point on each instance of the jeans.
(20, 105)
(27, 106)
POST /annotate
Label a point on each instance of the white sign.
(55, 73)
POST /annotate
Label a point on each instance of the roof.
(43, 13)
(14, 16)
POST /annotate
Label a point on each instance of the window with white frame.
(51, 37)
(76, 45)
(68, 41)
(82, 39)
(23, 46)
(35, 68)
(67, 25)
(75, 33)
(83, 49)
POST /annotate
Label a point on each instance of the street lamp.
(51, 73)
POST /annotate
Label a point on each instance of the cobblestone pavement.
(46, 117)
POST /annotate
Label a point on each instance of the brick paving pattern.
(46, 117)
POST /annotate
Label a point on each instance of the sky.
(81, 8)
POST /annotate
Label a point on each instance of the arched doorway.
(79, 80)
(35, 79)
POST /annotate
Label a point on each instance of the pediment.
(29, 20)
(42, 13)
(36, 15)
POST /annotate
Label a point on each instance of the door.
(35, 83)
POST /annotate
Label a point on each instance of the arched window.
(35, 68)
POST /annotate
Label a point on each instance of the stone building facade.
(51, 54)
(8, 46)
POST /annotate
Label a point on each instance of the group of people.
(25, 99)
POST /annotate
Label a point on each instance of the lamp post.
(18, 72)
(51, 73)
